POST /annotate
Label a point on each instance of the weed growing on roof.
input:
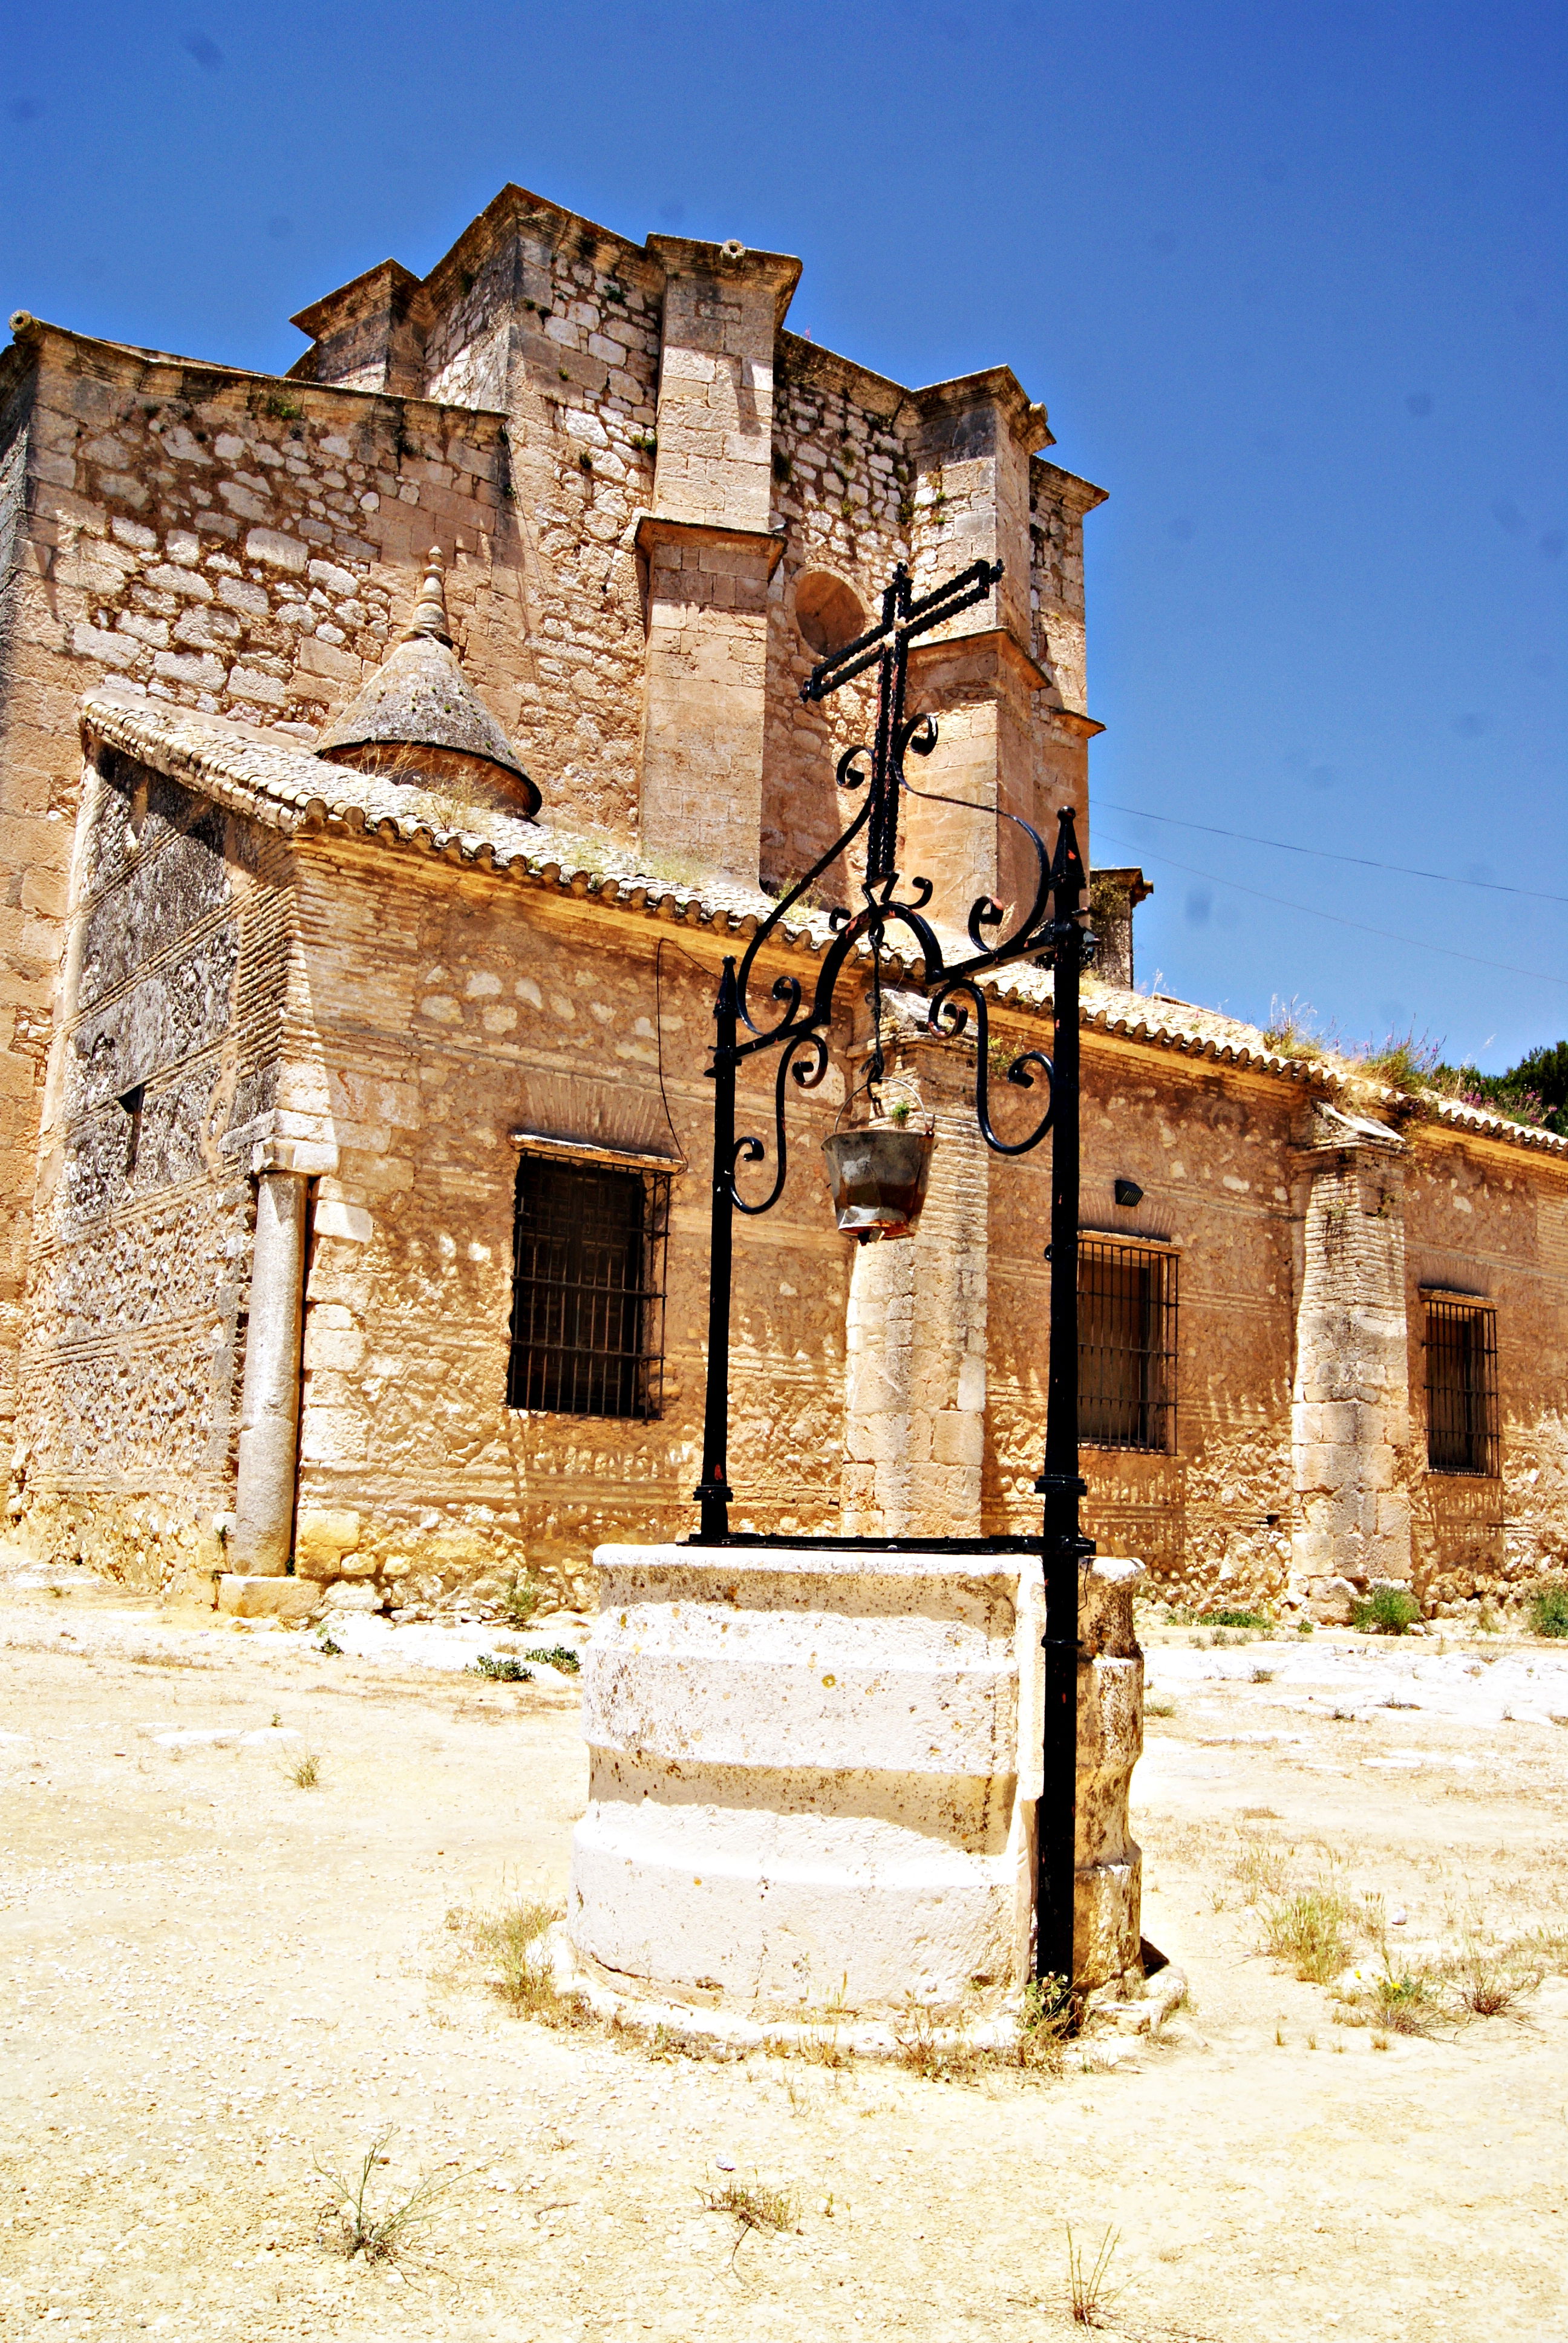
(1293, 1030)
(1405, 1061)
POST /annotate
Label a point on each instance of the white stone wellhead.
(814, 1773)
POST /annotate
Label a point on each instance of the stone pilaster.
(710, 555)
(1350, 1401)
(915, 1342)
(1009, 744)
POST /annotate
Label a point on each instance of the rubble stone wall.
(1211, 1521)
(450, 1010)
(1478, 1220)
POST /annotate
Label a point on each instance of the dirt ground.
(217, 1980)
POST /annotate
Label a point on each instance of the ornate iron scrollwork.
(949, 1016)
(861, 940)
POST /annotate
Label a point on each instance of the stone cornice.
(34, 335)
(993, 385)
(1080, 496)
(684, 256)
(389, 280)
(1000, 649)
(663, 528)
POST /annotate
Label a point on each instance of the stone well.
(814, 1774)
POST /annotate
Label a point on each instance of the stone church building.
(389, 755)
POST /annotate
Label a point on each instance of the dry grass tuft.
(1049, 2017)
(1311, 1931)
(1406, 2004)
(380, 2235)
(1087, 2289)
(753, 2206)
(939, 2052)
(1488, 1980)
(306, 1771)
(507, 1942)
(1261, 1870)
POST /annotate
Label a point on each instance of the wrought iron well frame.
(1051, 933)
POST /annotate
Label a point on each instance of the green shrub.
(559, 1655)
(1386, 1611)
(1237, 1619)
(501, 1671)
(521, 1600)
(1549, 1608)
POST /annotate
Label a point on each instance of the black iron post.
(714, 1493)
(1058, 1483)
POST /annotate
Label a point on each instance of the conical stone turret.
(420, 720)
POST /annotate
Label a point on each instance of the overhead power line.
(1416, 943)
(1327, 854)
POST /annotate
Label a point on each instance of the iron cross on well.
(888, 643)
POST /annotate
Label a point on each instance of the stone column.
(710, 555)
(269, 1405)
(915, 1341)
(1349, 1402)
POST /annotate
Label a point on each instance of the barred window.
(1126, 1345)
(588, 1303)
(1461, 1386)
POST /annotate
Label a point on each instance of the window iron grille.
(1462, 1387)
(587, 1300)
(1126, 1345)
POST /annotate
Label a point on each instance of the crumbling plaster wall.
(172, 1017)
(449, 1009)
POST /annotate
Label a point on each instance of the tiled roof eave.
(284, 787)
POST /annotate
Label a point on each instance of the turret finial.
(430, 609)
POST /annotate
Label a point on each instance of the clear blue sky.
(1290, 280)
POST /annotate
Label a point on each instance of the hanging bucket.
(878, 1178)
